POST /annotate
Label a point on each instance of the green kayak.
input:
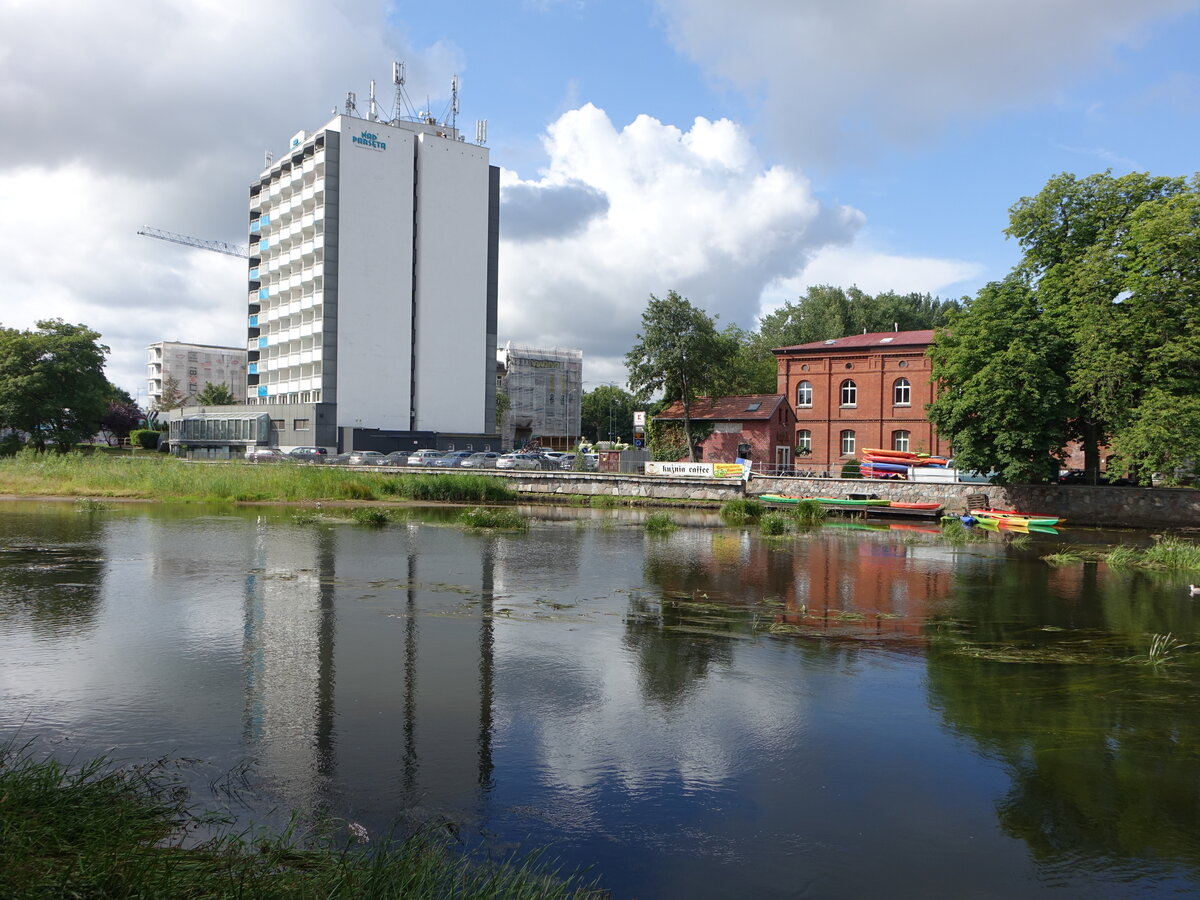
(824, 501)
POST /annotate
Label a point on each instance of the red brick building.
(758, 427)
(865, 390)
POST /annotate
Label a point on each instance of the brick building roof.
(867, 341)
(750, 407)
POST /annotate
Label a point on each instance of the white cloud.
(853, 77)
(695, 211)
(157, 112)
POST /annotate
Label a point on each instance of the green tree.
(1001, 387)
(751, 369)
(215, 395)
(1109, 324)
(607, 413)
(679, 352)
(52, 384)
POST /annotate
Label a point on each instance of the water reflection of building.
(823, 584)
(415, 675)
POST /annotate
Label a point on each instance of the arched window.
(901, 392)
(900, 440)
(803, 442)
(849, 393)
(847, 443)
(804, 394)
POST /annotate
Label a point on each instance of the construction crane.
(214, 246)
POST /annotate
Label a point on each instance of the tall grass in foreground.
(101, 831)
(163, 478)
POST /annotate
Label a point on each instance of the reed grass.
(660, 523)
(372, 517)
(164, 478)
(773, 523)
(485, 517)
(98, 830)
(742, 511)
(808, 512)
(604, 501)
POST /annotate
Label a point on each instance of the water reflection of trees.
(1101, 751)
(51, 569)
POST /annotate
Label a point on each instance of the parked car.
(423, 457)
(483, 460)
(342, 459)
(308, 454)
(519, 461)
(396, 458)
(366, 458)
(265, 454)
(452, 459)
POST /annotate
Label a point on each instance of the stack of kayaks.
(895, 463)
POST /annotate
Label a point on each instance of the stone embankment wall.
(1080, 504)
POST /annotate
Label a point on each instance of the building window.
(803, 442)
(847, 443)
(849, 393)
(902, 392)
(804, 394)
(900, 440)
(277, 424)
(300, 424)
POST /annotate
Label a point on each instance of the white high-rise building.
(372, 280)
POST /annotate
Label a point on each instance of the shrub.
(809, 512)
(375, 518)
(146, 438)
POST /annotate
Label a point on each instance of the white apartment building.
(372, 277)
(193, 366)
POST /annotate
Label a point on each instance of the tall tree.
(215, 395)
(1001, 387)
(679, 352)
(607, 412)
(52, 384)
(1111, 276)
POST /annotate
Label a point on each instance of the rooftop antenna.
(481, 131)
(398, 81)
(373, 115)
(454, 102)
(351, 104)
(268, 158)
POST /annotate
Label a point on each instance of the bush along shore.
(159, 478)
(99, 830)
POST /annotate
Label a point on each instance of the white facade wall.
(451, 286)
(374, 281)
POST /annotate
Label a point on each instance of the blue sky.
(734, 152)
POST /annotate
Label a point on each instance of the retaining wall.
(1128, 507)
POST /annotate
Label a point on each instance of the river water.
(848, 712)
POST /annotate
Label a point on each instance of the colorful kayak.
(1032, 516)
(824, 501)
(903, 504)
(1012, 518)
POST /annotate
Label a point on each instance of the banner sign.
(696, 470)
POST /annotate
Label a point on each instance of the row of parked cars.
(465, 459)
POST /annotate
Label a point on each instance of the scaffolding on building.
(545, 393)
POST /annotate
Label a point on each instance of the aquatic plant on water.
(773, 523)
(808, 512)
(741, 510)
(485, 517)
(660, 523)
(375, 518)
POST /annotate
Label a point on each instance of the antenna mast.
(454, 103)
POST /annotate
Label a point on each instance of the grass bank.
(154, 477)
(102, 831)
